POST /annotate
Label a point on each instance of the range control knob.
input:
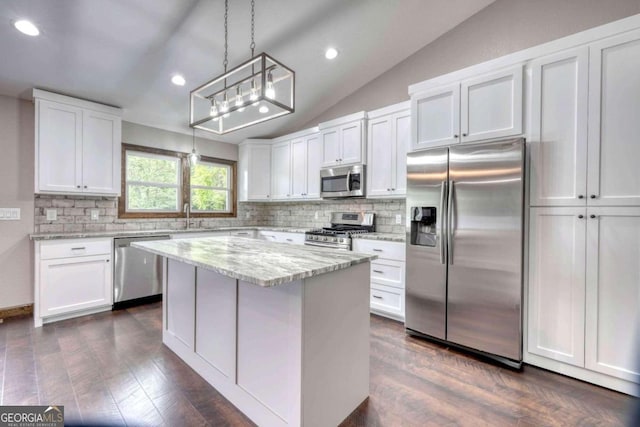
(325, 239)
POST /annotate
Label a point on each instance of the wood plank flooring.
(112, 369)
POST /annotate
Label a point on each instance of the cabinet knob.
(592, 216)
(580, 216)
(85, 186)
(287, 195)
(455, 136)
(106, 260)
(580, 196)
(78, 186)
(464, 134)
(593, 196)
(388, 189)
(393, 189)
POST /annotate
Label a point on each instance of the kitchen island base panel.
(289, 355)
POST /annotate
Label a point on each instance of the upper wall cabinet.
(343, 140)
(388, 137)
(254, 170)
(481, 108)
(613, 176)
(558, 134)
(281, 170)
(77, 146)
(306, 158)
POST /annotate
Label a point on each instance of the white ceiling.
(124, 52)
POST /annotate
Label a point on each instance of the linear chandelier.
(255, 91)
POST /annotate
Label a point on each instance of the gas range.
(343, 226)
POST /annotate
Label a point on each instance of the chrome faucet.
(187, 209)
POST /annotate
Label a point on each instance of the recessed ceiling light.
(26, 27)
(178, 80)
(331, 53)
(264, 109)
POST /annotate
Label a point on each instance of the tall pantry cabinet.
(584, 240)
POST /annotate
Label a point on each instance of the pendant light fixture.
(255, 91)
(194, 157)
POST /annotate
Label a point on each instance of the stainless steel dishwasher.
(137, 277)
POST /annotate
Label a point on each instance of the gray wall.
(16, 191)
(504, 27)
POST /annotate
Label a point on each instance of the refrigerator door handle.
(442, 219)
(450, 223)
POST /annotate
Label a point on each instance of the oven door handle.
(349, 180)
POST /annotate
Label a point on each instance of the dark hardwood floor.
(111, 369)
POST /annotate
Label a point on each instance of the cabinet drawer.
(387, 272)
(384, 249)
(75, 248)
(387, 299)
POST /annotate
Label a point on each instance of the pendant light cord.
(253, 27)
(226, 35)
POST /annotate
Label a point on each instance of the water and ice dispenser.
(423, 226)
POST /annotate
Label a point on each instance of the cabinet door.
(351, 143)
(380, 163)
(59, 150)
(330, 147)
(101, 142)
(613, 291)
(491, 106)
(402, 134)
(559, 129)
(314, 161)
(435, 118)
(259, 173)
(72, 284)
(281, 171)
(298, 168)
(557, 284)
(614, 125)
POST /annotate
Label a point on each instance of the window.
(158, 183)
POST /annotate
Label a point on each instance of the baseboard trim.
(20, 310)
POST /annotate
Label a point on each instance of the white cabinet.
(613, 176)
(78, 146)
(387, 276)
(343, 140)
(556, 298)
(282, 237)
(306, 158)
(198, 234)
(481, 108)
(281, 171)
(387, 143)
(613, 291)
(254, 170)
(72, 278)
(558, 135)
(584, 288)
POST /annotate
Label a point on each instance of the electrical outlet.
(398, 219)
(247, 215)
(95, 214)
(10, 214)
(52, 214)
(316, 215)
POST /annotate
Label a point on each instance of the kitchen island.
(280, 330)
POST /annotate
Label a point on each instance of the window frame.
(184, 189)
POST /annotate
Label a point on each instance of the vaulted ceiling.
(124, 52)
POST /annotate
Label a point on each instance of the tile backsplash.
(74, 215)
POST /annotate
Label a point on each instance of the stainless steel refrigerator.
(464, 247)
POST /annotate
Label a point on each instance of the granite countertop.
(135, 233)
(256, 261)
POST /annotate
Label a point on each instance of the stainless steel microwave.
(342, 181)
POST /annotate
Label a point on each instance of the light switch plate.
(95, 214)
(316, 215)
(247, 215)
(52, 214)
(10, 214)
(399, 219)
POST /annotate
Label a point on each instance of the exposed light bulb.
(239, 98)
(253, 95)
(26, 27)
(264, 109)
(224, 106)
(214, 108)
(193, 157)
(225, 116)
(270, 92)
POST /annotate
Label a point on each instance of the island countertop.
(255, 261)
